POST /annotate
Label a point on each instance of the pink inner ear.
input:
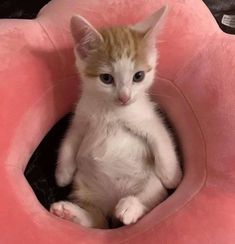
(79, 32)
(81, 50)
(83, 33)
(152, 34)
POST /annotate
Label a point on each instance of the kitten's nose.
(124, 98)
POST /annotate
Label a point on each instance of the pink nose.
(124, 98)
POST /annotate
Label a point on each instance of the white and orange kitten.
(117, 151)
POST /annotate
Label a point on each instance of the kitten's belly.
(114, 163)
(117, 151)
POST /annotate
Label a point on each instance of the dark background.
(41, 167)
(24, 9)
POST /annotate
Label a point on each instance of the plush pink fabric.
(195, 85)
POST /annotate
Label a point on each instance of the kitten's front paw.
(129, 210)
(64, 175)
(170, 176)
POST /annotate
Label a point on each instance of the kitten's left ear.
(84, 34)
(152, 25)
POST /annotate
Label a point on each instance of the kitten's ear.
(152, 25)
(84, 35)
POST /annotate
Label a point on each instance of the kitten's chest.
(110, 145)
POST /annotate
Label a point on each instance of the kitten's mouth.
(120, 103)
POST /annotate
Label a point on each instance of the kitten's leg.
(66, 163)
(167, 166)
(88, 217)
(130, 209)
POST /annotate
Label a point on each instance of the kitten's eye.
(139, 76)
(107, 79)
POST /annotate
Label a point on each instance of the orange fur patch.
(118, 42)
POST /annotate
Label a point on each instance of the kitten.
(117, 151)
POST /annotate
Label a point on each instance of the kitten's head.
(117, 64)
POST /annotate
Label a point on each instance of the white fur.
(113, 143)
(121, 158)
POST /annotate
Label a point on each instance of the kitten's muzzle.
(124, 95)
(124, 99)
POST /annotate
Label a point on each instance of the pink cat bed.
(195, 86)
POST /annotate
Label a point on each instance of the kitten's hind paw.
(73, 212)
(62, 209)
(129, 210)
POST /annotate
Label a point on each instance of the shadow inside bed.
(41, 167)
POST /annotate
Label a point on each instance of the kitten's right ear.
(84, 35)
(152, 25)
